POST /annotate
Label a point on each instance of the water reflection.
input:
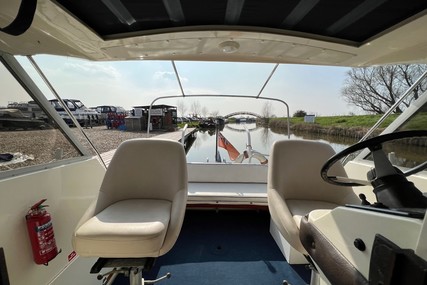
(405, 154)
(204, 148)
(249, 127)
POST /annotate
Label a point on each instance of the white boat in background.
(237, 219)
(83, 114)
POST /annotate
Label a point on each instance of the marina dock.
(177, 136)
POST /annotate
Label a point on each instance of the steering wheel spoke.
(383, 166)
(338, 180)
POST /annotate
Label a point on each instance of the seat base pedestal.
(146, 263)
(130, 267)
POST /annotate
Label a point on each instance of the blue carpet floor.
(226, 247)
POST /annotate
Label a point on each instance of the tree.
(267, 110)
(195, 108)
(204, 111)
(182, 108)
(376, 89)
(214, 113)
(300, 113)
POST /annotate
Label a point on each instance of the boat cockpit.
(127, 207)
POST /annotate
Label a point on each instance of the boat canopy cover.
(322, 32)
(355, 21)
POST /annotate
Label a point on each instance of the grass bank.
(363, 121)
(348, 126)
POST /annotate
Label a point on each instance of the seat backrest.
(144, 169)
(294, 171)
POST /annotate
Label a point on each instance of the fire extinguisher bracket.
(41, 234)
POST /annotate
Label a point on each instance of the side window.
(55, 105)
(409, 152)
(413, 151)
(28, 136)
(70, 105)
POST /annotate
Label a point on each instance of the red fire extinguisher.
(40, 230)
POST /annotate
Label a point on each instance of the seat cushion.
(128, 228)
(300, 208)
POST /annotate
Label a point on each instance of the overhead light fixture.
(120, 11)
(229, 46)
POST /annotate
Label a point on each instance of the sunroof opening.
(355, 21)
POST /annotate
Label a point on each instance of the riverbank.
(105, 139)
(41, 146)
(354, 127)
(359, 121)
(312, 128)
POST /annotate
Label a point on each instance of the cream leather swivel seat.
(295, 187)
(140, 207)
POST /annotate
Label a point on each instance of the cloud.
(167, 75)
(93, 69)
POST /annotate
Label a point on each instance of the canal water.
(203, 148)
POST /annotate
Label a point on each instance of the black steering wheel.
(391, 187)
(383, 166)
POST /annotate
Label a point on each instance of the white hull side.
(68, 189)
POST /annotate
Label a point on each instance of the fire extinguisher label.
(46, 238)
(44, 226)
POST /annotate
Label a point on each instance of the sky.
(314, 89)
